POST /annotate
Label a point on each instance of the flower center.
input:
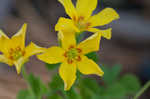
(73, 54)
(15, 54)
(82, 24)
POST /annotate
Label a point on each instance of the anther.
(78, 58)
(70, 61)
(23, 53)
(18, 48)
(71, 47)
(81, 18)
(79, 50)
(11, 57)
(88, 24)
(11, 49)
(74, 18)
(65, 54)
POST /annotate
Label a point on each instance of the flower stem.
(24, 74)
(142, 90)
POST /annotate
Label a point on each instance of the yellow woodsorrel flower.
(14, 51)
(82, 19)
(72, 56)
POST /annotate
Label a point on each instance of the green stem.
(142, 90)
(24, 74)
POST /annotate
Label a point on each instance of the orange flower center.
(73, 54)
(15, 54)
(81, 23)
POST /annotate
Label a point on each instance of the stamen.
(78, 58)
(11, 51)
(74, 18)
(72, 54)
(16, 53)
(71, 47)
(87, 25)
(11, 58)
(80, 18)
(18, 48)
(79, 50)
(70, 61)
(65, 54)
(23, 53)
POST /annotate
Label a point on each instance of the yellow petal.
(52, 55)
(68, 73)
(5, 60)
(19, 38)
(105, 33)
(85, 7)
(69, 8)
(88, 66)
(19, 63)
(67, 38)
(33, 49)
(65, 24)
(104, 17)
(90, 44)
(4, 42)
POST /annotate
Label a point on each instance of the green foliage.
(54, 96)
(36, 88)
(52, 66)
(24, 94)
(111, 74)
(93, 56)
(72, 94)
(56, 83)
(131, 83)
(111, 86)
(115, 91)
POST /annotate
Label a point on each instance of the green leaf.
(87, 87)
(24, 94)
(52, 66)
(56, 83)
(93, 56)
(111, 74)
(73, 94)
(131, 83)
(54, 96)
(36, 86)
(97, 96)
(91, 84)
(114, 91)
(85, 93)
(116, 69)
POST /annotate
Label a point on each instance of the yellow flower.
(82, 19)
(14, 51)
(72, 56)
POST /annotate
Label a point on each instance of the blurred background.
(129, 46)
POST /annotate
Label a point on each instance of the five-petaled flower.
(82, 19)
(14, 51)
(72, 56)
